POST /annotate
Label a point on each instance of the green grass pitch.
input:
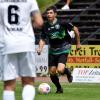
(72, 91)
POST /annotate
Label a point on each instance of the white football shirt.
(1, 36)
(17, 26)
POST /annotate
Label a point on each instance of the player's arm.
(36, 15)
(37, 19)
(70, 28)
(42, 40)
(77, 36)
(41, 45)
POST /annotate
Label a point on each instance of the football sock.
(55, 80)
(8, 95)
(67, 72)
(28, 92)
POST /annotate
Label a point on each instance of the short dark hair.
(52, 8)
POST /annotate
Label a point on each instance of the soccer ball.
(44, 88)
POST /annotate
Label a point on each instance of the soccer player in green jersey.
(58, 34)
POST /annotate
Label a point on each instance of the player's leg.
(53, 75)
(28, 92)
(9, 76)
(27, 72)
(68, 2)
(66, 6)
(9, 88)
(68, 73)
(54, 78)
(62, 69)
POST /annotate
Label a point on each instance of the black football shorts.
(55, 59)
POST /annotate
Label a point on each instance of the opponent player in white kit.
(19, 45)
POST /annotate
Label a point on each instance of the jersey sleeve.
(68, 26)
(34, 6)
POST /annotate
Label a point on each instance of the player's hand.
(39, 51)
(78, 47)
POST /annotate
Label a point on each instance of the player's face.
(51, 15)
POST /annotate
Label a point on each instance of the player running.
(57, 32)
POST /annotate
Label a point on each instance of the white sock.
(8, 95)
(28, 92)
(65, 7)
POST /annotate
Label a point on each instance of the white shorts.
(19, 65)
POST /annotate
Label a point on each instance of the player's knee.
(60, 70)
(27, 81)
(9, 85)
(53, 70)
